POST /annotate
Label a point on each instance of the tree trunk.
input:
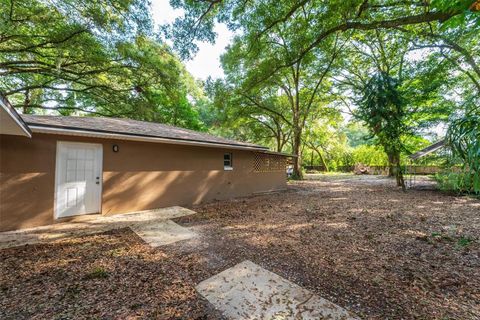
(279, 143)
(26, 102)
(396, 167)
(297, 161)
(399, 177)
(322, 159)
(297, 128)
(391, 166)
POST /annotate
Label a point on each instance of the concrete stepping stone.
(161, 233)
(247, 291)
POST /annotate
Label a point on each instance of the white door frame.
(57, 174)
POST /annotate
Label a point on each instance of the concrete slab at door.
(88, 224)
(247, 291)
(162, 233)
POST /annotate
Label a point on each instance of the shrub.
(463, 138)
(369, 155)
(460, 182)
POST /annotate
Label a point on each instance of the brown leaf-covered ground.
(357, 241)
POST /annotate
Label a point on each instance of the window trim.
(230, 160)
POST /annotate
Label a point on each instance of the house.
(56, 167)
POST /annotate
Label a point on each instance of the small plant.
(97, 273)
(464, 241)
(436, 234)
(441, 237)
(460, 241)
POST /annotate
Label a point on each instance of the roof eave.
(288, 155)
(15, 119)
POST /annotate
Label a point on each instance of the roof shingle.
(131, 128)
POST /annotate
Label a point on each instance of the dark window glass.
(227, 160)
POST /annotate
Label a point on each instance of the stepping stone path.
(247, 291)
(162, 233)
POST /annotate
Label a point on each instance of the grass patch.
(464, 241)
(438, 237)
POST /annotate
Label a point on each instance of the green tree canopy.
(98, 57)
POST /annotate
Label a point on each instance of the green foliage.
(467, 15)
(92, 57)
(464, 241)
(369, 155)
(290, 71)
(452, 181)
(274, 37)
(357, 134)
(382, 108)
(463, 138)
(313, 22)
(275, 108)
(235, 113)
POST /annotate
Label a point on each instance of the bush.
(463, 138)
(369, 155)
(462, 182)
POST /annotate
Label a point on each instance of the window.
(227, 161)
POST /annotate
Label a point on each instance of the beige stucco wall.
(140, 176)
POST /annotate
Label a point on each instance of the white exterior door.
(78, 179)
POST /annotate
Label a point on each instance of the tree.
(421, 83)
(383, 110)
(324, 138)
(236, 115)
(281, 38)
(259, 19)
(91, 57)
(289, 96)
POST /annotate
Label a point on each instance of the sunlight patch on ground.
(338, 225)
(415, 233)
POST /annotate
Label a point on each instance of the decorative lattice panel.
(263, 162)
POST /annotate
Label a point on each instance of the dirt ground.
(357, 241)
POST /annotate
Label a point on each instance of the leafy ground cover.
(359, 242)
